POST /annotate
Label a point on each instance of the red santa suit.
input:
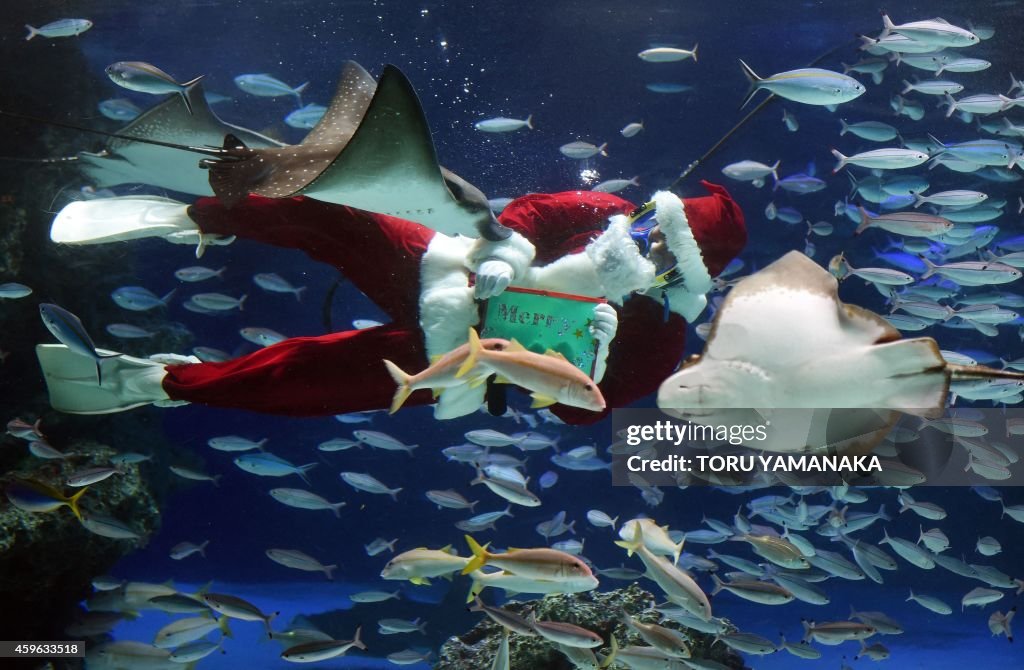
(575, 242)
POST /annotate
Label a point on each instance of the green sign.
(542, 320)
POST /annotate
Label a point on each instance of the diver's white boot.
(130, 218)
(127, 381)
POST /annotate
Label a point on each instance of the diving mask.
(642, 223)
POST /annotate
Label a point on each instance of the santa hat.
(704, 234)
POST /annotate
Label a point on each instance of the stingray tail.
(186, 89)
(234, 175)
(981, 372)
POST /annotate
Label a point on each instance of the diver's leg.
(79, 384)
(380, 254)
(307, 376)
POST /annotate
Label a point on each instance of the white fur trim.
(447, 307)
(673, 223)
(515, 250)
(617, 261)
(573, 273)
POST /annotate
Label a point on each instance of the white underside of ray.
(785, 341)
(390, 167)
(127, 162)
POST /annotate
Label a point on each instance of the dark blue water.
(572, 65)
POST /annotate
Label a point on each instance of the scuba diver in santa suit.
(654, 265)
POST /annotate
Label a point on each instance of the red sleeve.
(559, 221)
(645, 351)
(258, 212)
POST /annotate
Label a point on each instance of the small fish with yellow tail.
(33, 496)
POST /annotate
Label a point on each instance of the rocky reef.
(48, 559)
(598, 612)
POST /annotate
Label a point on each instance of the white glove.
(492, 278)
(605, 323)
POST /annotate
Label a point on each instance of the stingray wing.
(812, 350)
(390, 166)
(127, 162)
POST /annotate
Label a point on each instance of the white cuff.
(601, 362)
(673, 222)
(515, 250)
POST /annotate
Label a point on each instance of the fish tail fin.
(677, 552)
(32, 32)
(304, 469)
(266, 623)
(603, 149)
(241, 302)
(479, 556)
(775, 170)
(865, 221)
(299, 291)
(807, 629)
(1014, 84)
(475, 589)
(842, 161)
(222, 623)
(471, 358)
(952, 105)
(754, 80)
(907, 87)
(887, 26)
(632, 545)
(718, 584)
(918, 200)
(911, 596)
(843, 127)
(357, 640)
(202, 548)
(404, 389)
(336, 508)
(329, 571)
(529, 121)
(476, 605)
(73, 502)
(168, 296)
(694, 51)
(609, 661)
(216, 480)
(928, 264)
(866, 42)
(297, 91)
(394, 495)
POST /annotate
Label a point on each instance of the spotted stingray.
(371, 150)
(123, 161)
(783, 339)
